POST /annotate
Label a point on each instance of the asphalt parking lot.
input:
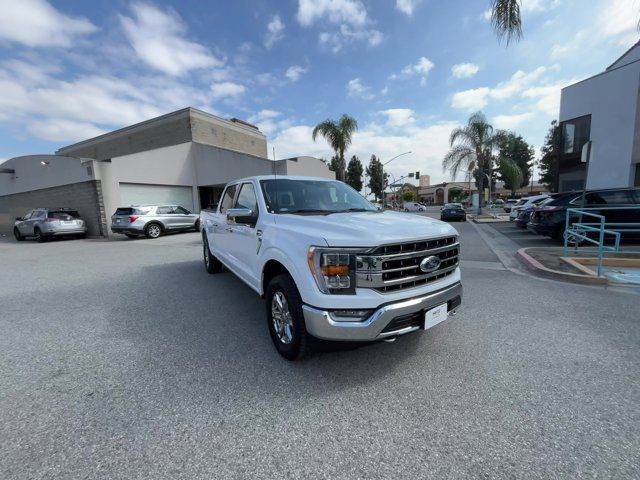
(125, 359)
(523, 237)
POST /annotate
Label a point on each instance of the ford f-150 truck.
(329, 264)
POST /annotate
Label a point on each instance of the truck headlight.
(333, 269)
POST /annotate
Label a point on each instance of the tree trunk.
(480, 190)
(342, 167)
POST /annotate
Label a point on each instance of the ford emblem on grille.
(429, 264)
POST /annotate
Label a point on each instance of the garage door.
(141, 194)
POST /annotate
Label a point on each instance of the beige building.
(184, 158)
(440, 193)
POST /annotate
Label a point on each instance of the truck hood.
(366, 229)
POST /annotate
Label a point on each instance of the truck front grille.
(396, 267)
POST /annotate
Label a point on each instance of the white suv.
(525, 203)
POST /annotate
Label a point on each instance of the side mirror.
(235, 213)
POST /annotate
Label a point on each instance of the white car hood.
(367, 229)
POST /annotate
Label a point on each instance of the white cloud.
(517, 83)
(35, 23)
(269, 121)
(275, 31)
(407, 6)
(422, 67)
(227, 90)
(618, 19)
(509, 122)
(399, 117)
(350, 12)
(355, 88)
(473, 99)
(464, 70)
(158, 38)
(294, 72)
(428, 144)
(348, 16)
(57, 130)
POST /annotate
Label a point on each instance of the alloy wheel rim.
(154, 231)
(281, 318)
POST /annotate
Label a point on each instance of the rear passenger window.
(227, 199)
(164, 210)
(611, 197)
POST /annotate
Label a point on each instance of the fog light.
(349, 315)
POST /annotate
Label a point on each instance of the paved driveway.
(126, 360)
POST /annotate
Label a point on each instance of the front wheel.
(17, 234)
(211, 263)
(285, 318)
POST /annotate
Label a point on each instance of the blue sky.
(408, 70)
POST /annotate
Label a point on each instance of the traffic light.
(411, 175)
(418, 175)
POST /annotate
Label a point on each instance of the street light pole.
(389, 161)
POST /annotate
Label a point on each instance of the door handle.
(259, 234)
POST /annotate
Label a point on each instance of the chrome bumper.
(320, 324)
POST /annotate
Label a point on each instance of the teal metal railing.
(577, 233)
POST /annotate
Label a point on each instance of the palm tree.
(472, 148)
(506, 19)
(338, 136)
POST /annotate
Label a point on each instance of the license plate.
(69, 222)
(435, 316)
(117, 220)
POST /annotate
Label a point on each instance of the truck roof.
(281, 177)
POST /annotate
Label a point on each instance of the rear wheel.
(153, 230)
(211, 263)
(37, 234)
(285, 318)
(17, 234)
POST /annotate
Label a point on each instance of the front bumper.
(320, 323)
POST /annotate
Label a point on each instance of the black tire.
(37, 234)
(131, 235)
(153, 230)
(211, 263)
(196, 226)
(297, 346)
(17, 234)
(82, 236)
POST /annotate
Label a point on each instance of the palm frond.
(506, 19)
(459, 157)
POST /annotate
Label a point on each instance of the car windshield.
(522, 201)
(453, 205)
(312, 197)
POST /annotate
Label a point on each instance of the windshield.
(312, 197)
(452, 206)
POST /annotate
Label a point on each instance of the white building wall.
(611, 99)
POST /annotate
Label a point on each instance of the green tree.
(515, 172)
(472, 149)
(334, 164)
(409, 196)
(377, 177)
(550, 152)
(338, 136)
(354, 173)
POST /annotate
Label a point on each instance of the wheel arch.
(270, 270)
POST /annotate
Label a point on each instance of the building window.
(575, 133)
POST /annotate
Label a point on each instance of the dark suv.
(549, 217)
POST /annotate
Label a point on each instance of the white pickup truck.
(329, 263)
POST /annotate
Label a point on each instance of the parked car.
(509, 203)
(525, 202)
(329, 264)
(549, 218)
(453, 212)
(413, 207)
(45, 223)
(524, 212)
(153, 220)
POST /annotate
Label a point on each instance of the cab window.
(227, 199)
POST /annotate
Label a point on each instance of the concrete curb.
(536, 267)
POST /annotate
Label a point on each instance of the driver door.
(245, 238)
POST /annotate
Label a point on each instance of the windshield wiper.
(354, 210)
(308, 210)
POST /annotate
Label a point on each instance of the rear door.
(164, 214)
(218, 229)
